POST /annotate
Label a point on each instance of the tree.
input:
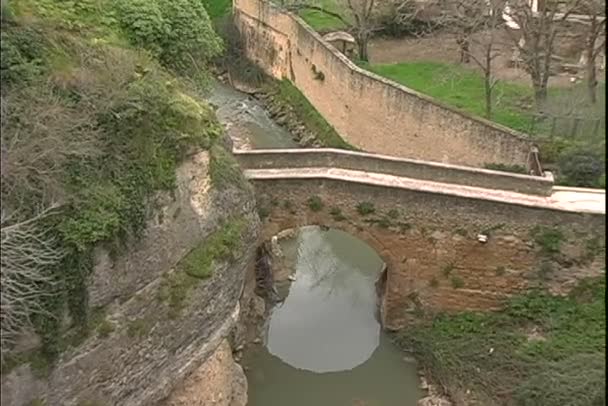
(595, 42)
(361, 11)
(475, 24)
(534, 37)
(361, 18)
(28, 252)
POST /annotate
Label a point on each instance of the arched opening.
(326, 331)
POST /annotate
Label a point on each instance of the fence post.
(574, 127)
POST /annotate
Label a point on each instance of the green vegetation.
(365, 208)
(447, 269)
(337, 214)
(393, 213)
(500, 270)
(139, 327)
(456, 282)
(580, 159)
(507, 168)
(548, 238)
(198, 264)
(100, 105)
(224, 170)
(434, 282)
(541, 350)
(323, 22)
(315, 203)
(217, 8)
(174, 291)
(104, 329)
(218, 247)
(289, 95)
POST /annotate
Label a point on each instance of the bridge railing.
(409, 168)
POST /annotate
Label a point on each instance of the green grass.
(496, 356)
(287, 94)
(461, 88)
(513, 107)
(324, 22)
(218, 247)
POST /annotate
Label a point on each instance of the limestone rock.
(218, 381)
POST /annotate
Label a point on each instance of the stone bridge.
(453, 238)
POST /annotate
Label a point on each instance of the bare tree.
(534, 37)
(361, 11)
(28, 251)
(595, 42)
(476, 25)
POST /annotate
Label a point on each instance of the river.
(324, 345)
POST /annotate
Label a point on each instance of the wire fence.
(568, 127)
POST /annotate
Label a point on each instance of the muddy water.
(324, 345)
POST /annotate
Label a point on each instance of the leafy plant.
(365, 208)
(549, 239)
(179, 32)
(315, 203)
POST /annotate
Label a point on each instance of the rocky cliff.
(157, 324)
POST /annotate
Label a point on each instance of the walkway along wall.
(368, 111)
(383, 164)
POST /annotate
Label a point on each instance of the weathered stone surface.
(428, 269)
(219, 381)
(150, 350)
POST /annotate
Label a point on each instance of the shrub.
(337, 214)
(218, 247)
(581, 167)
(315, 203)
(549, 239)
(507, 168)
(179, 32)
(365, 208)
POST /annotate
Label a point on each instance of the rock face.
(148, 347)
(218, 381)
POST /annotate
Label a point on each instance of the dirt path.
(442, 48)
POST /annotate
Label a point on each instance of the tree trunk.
(363, 42)
(591, 80)
(540, 89)
(488, 91)
(464, 46)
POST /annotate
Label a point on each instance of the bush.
(179, 32)
(581, 167)
(22, 52)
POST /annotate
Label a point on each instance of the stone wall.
(148, 350)
(429, 242)
(424, 170)
(368, 111)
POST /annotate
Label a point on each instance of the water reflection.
(325, 347)
(327, 322)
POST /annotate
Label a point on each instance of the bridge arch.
(427, 231)
(277, 224)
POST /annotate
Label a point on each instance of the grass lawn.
(323, 22)
(542, 350)
(461, 88)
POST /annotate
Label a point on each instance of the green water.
(324, 344)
